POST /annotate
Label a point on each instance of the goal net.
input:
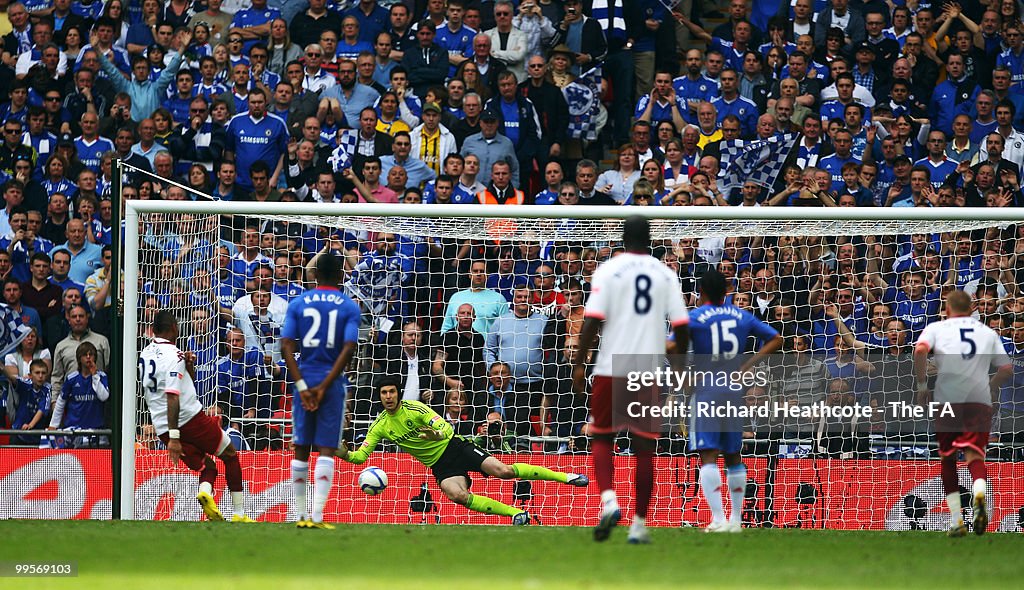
(476, 310)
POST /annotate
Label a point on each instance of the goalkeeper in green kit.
(428, 437)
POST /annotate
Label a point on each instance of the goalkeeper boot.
(521, 519)
(241, 518)
(978, 505)
(957, 529)
(577, 479)
(303, 523)
(610, 515)
(310, 524)
(209, 506)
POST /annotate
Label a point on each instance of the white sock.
(639, 522)
(711, 485)
(979, 487)
(238, 502)
(300, 475)
(608, 496)
(206, 487)
(955, 512)
(736, 479)
(323, 475)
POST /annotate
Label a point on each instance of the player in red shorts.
(963, 350)
(633, 297)
(166, 374)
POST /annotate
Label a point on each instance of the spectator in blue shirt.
(82, 399)
(33, 403)
(417, 171)
(145, 93)
(256, 135)
(953, 96)
(348, 95)
(373, 19)
(86, 257)
(253, 24)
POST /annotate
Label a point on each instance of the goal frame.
(977, 216)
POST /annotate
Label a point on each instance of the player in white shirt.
(633, 298)
(167, 374)
(963, 350)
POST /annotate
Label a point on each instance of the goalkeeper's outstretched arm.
(360, 455)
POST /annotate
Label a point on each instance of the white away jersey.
(634, 294)
(964, 350)
(162, 371)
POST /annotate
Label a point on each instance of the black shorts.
(459, 458)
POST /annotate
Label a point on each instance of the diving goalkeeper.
(429, 438)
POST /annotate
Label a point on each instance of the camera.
(571, 11)
(494, 429)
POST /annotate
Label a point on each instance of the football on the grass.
(373, 480)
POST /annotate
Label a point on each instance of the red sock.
(208, 474)
(233, 473)
(949, 481)
(977, 469)
(644, 481)
(601, 454)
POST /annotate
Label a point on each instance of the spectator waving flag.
(341, 157)
(12, 331)
(760, 161)
(583, 96)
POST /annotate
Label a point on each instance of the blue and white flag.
(759, 161)
(341, 157)
(12, 331)
(583, 95)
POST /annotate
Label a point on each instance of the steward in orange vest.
(495, 196)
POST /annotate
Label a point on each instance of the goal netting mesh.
(845, 290)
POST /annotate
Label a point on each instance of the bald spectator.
(90, 146)
(459, 356)
(86, 257)
(147, 147)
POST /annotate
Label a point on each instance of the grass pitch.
(126, 555)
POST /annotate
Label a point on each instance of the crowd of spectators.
(899, 104)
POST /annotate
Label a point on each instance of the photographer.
(583, 35)
(537, 27)
(492, 436)
(118, 116)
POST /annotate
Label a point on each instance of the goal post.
(810, 234)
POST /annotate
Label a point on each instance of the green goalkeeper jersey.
(402, 428)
